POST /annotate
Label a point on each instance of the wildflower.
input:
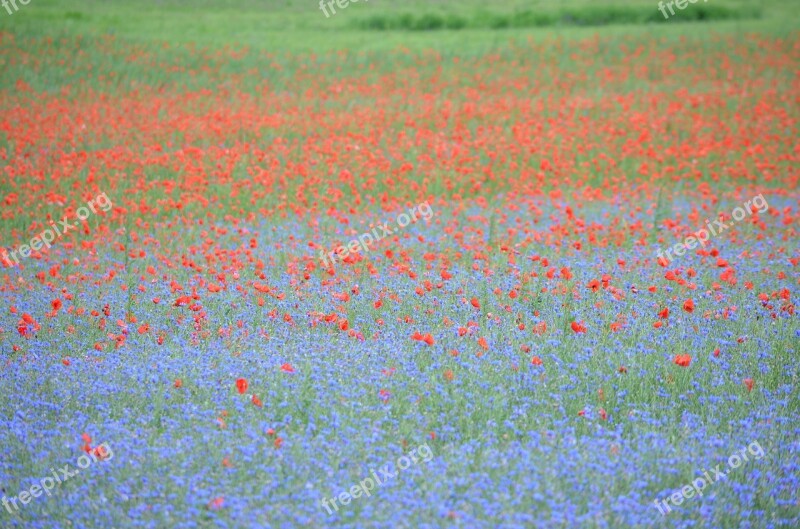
(688, 305)
(578, 327)
(287, 368)
(682, 360)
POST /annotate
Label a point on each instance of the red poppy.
(27, 326)
(536, 361)
(577, 327)
(748, 382)
(287, 368)
(241, 385)
(101, 452)
(688, 305)
(183, 300)
(682, 360)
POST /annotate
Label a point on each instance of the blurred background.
(300, 25)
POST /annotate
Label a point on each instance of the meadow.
(576, 303)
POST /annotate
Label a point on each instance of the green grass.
(467, 26)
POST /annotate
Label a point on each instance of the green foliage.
(592, 15)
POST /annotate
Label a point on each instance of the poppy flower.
(688, 305)
(287, 368)
(241, 385)
(101, 452)
(577, 327)
(536, 361)
(183, 300)
(682, 360)
(748, 382)
(27, 326)
(178, 383)
(257, 401)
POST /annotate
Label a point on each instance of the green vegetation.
(573, 16)
(464, 26)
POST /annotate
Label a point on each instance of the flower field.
(197, 324)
